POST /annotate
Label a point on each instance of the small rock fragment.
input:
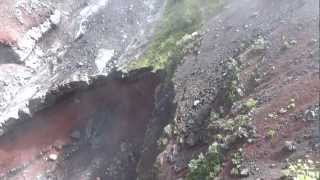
(196, 102)
(273, 165)
(240, 92)
(53, 157)
(250, 140)
(55, 18)
(75, 135)
(244, 172)
(291, 106)
(312, 114)
(293, 42)
(103, 57)
(314, 40)
(283, 110)
(255, 14)
(80, 64)
(290, 146)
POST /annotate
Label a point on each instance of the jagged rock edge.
(48, 97)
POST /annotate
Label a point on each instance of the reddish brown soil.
(32, 142)
(290, 74)
(10, 28)
(285, 74)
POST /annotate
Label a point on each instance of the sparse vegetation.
(244, 107)
(214, 116)
(232, 87)
(303, 170)
(271, 133)
(251, 104)
(236, 123)
(180, 18)
(238, 165)
(231, 130)
(207, 166)
(259, 44)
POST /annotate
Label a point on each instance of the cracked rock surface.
(46, 45)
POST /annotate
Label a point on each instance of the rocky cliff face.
(58, 43)
(150, 89)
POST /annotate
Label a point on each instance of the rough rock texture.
(251, 37)
(246, 82)
(58, 52)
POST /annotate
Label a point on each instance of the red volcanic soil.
(10, 27)
(291, 74)
(23, 152)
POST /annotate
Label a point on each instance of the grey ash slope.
(233, 39)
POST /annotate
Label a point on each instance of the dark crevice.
(114, 118)
(8, 56)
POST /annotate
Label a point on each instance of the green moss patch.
(206, 166)
(181, 17)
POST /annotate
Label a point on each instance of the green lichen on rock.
(206, 166)
(180, 18)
